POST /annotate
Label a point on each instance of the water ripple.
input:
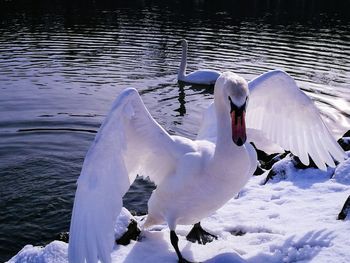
(59, 74)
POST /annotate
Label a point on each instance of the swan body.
(193, 177)
(199, 77)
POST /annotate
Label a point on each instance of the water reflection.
(182, 101)
(62, 64)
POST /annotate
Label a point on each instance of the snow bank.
(54, 252)
(342, 172)
(292, 218)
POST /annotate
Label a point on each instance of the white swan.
(194, 178)
(200, 77)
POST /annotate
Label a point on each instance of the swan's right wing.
(129, 141)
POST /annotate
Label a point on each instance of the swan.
(194, 177)
(200, 77)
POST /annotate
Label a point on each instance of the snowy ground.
(292, 218)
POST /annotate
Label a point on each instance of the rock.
(269, 176)
(262, 156)
(345, 210)
(132, 233)
(122, 223)
(267, 160)
(287, 164)
(238, 232)
(275, 158)
(299, 165)
(63, 236)
(280, 169)
(259, 170)
(344, 141)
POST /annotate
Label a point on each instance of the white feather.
(194, 178)
(285, 116)
(109, 168)
(303, 131)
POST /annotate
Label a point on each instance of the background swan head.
(182, 42)
(231, 92)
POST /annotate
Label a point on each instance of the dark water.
(62, 63)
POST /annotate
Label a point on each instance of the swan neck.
(224, 131)
(224, 137)
(183, 64)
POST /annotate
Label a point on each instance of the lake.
(62, 63)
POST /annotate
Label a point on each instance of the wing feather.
(303, 156)
(289, 118)
(129, 141)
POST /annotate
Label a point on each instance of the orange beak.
(239, 135)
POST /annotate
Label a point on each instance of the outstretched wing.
(129, 141)
(288, 117)
(208, 131)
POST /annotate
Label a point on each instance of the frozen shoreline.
(292, 218)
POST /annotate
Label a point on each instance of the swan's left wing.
(287, 116)
(129, 141)
(207, 131)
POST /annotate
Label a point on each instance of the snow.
(342, 172)
(292, 218)
(54, 252)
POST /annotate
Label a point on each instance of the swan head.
(182, 42)
(235, 94)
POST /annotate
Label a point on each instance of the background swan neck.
(183, 64)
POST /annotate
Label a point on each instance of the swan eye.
(234, 107)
